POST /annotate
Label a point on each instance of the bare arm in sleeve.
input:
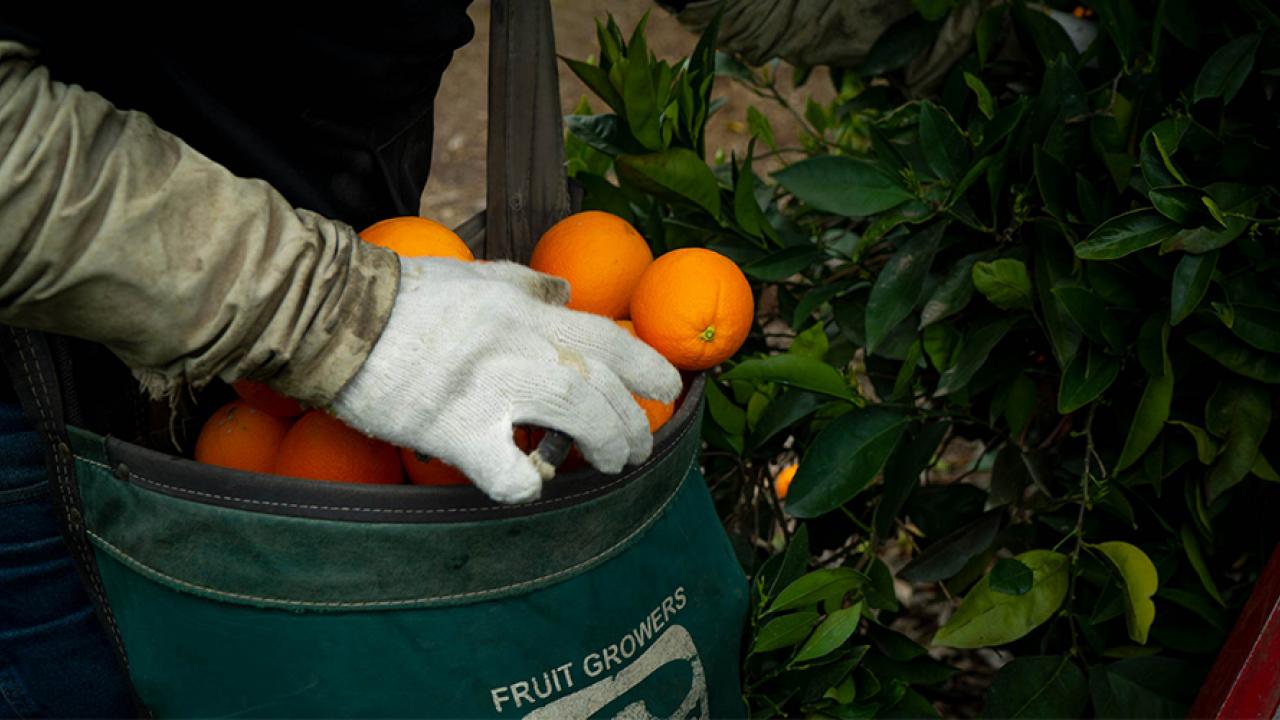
(115, 231)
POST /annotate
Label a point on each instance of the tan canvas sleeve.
(113, 230)
(838, 33)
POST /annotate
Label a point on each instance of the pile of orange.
(694, 306)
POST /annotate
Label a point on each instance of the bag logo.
(619, 672)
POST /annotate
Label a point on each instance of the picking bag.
(236, 593)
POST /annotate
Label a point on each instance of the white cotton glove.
(473, 349)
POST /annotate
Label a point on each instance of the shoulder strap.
(526, 191)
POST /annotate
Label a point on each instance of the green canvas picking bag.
(240, 594)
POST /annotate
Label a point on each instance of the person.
(185, 193)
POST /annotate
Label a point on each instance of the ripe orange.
(657, 412)
(417, 237)
(241, 436)
(600, 255)
(783, 481)
(266, 399)
(694, 306)
(435, 471)
(321, 447)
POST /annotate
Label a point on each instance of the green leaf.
(900, 283)
(745, 208)
(1087, 376)
(783, 264)
(794, 370)
(1157, 149)
(788, 408)
(953, 292)
(1009, 477)
(759, 126)
(1125, 234)
(975, 349)
(899, 45)
(986, 104)
(944, 145)
(1140, 582)
(1258, 326)
(1227, 69)
(1235, 201)
(817, 587)
(1011, 577)
(879, 593)
(1237, 356)
(986, 618)
(790, 565)
(1152, 412)
(934, 9)
(1121, 23)
(1206, 447)
(902, 474)
(812, 343)
(989, 31)
(815, 299)
(1047, 686)
(1046, 35)
(1143, 687)
(1085, 309)
(605, 133)
(1263, 469)
(835, 629)
(727, 415)
(1182, 204)
(1054, 181)
(1053, 265)
(1007, 120)
(843, 460)
(1191, 546)
(674, 174)
(596, 78)
(1190, 283)
(842, 185)
(784, 631)
(948, 555)
(1240, 412)
(1153, 346)
(1020, 403)
(1004, 282)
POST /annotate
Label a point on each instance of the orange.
(783, 481)
(320, 447)
(694, 306)
(266, 399)
(417, 237)
(657, 412)
(600, 255)
(434, 471)
(241, 436)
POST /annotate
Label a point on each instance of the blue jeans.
(55, 658)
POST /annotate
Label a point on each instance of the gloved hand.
(472, 349)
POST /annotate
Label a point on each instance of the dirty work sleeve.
(838, 33)
(113, 230)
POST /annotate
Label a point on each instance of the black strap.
(34, 374)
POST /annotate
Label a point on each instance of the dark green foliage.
(1068, 256)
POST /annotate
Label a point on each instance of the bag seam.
(387, 511)
(388, 604)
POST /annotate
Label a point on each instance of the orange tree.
(1066, 258)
